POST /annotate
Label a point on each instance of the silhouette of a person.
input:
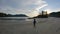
(34, 22)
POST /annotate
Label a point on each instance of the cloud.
(57, 9)
(28, 7)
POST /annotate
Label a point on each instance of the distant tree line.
(43, 15)
(3, 14)
(55, 14)
(10, 15)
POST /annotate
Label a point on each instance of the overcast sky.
(28, 7)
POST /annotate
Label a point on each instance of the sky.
(53, 5)
(30, 8)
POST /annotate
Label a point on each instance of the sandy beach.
(49, 25)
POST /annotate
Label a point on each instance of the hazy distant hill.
(55, 14)
(20, 15)
(10, 15)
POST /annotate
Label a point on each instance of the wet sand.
(43, 26)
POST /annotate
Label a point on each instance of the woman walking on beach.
(34, 22)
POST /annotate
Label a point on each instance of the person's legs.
(34, 24)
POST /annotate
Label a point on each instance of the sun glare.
(48, 11)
